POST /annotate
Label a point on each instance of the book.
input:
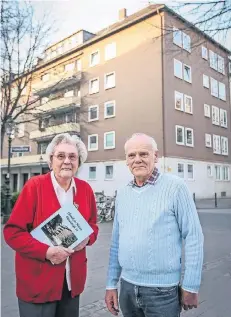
(66, 227)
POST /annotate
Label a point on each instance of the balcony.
(52, 131)
(56, 82)
(59, 104)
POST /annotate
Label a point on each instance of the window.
(45, 77)
(224, 146)
(93, 113)
(216, 144)
(207, 110)
(186, 42)
(179, 135)
(25, 177)
(110, 51)
(189, 137)
(180, 170)
(221, 64)
(223, 118)
(69, 93)
(92, 172)
(188, 105)
(94, 86)
(109, 140)
(218, 172)
(93, 142)
(78, 65)
(209, 171)
(21, 130)
(179, 101)
(213, 60)
(69, 67)
(204, 52)
(225, 173)
(208, 140)
(215, 115)
(15, 183)
(205, 81)
(177, 37)
(214, 87)
(178, 69)
(42, 147)
(222, 94)
(187, 73)
(190, 171)
(109, 80)
(109, 172)
(94, 58)
(109, 109)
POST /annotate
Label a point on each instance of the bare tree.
(23, 39)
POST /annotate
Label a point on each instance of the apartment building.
(150, 72)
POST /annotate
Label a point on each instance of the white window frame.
(189, 178)
(177, 62)
(216, 144)
(186, 143)
(189, 97)
(105, 80)
(218, 167)
(180, 95)
(105, 109)
(204, 52)
(176, 30)
(212, 60)
(105, 175)
(208, 140)
(211, 170)
(223, 96)
(79, 64)
(109, 46)
(182, 165)
(223, 114)
(223, 141)
(183, 135)
(221, 64)
(190, 79)
(89, 178)
(207, 111)
(90, 81)
(224, 167)
(97, 142)
(105, 138)
(98, 60)
(205, 81)
(214, 92)
(184, 37)
(89, 113)
(215, 115)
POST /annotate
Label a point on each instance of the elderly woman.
(49, 280)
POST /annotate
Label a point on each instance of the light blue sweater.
(149, 225)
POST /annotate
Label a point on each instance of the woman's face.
(65, 161)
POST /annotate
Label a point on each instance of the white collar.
(58, 187)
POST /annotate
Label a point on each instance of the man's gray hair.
(135, 135)
(69, 139)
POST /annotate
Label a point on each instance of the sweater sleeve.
(16, 232)
(191, 231)
(114, 268)
(93, 218)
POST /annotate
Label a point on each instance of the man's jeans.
(140, 301)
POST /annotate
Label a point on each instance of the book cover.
(66, 227)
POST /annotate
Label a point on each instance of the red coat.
(37, 280)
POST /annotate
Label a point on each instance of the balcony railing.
(50, 131)
(60, 103)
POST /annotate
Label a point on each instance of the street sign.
(20, 149)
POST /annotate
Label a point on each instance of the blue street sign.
(20, 149)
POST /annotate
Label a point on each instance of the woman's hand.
(82, 244)
(58, 254)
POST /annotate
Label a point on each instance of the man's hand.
(82, 244)
(111, 300)
(58, 254)
(189, 300)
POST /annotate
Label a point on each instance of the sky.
(91, 15)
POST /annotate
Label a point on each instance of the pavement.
(215, 292)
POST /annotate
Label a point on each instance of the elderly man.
(154, 213)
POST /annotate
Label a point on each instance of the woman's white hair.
(69, 139)
(145, 136)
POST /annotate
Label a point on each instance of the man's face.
(65, 161)
(140, 157)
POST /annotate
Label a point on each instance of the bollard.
(215, 200)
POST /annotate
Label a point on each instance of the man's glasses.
(62, 157)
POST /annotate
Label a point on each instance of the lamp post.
(9, 132)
